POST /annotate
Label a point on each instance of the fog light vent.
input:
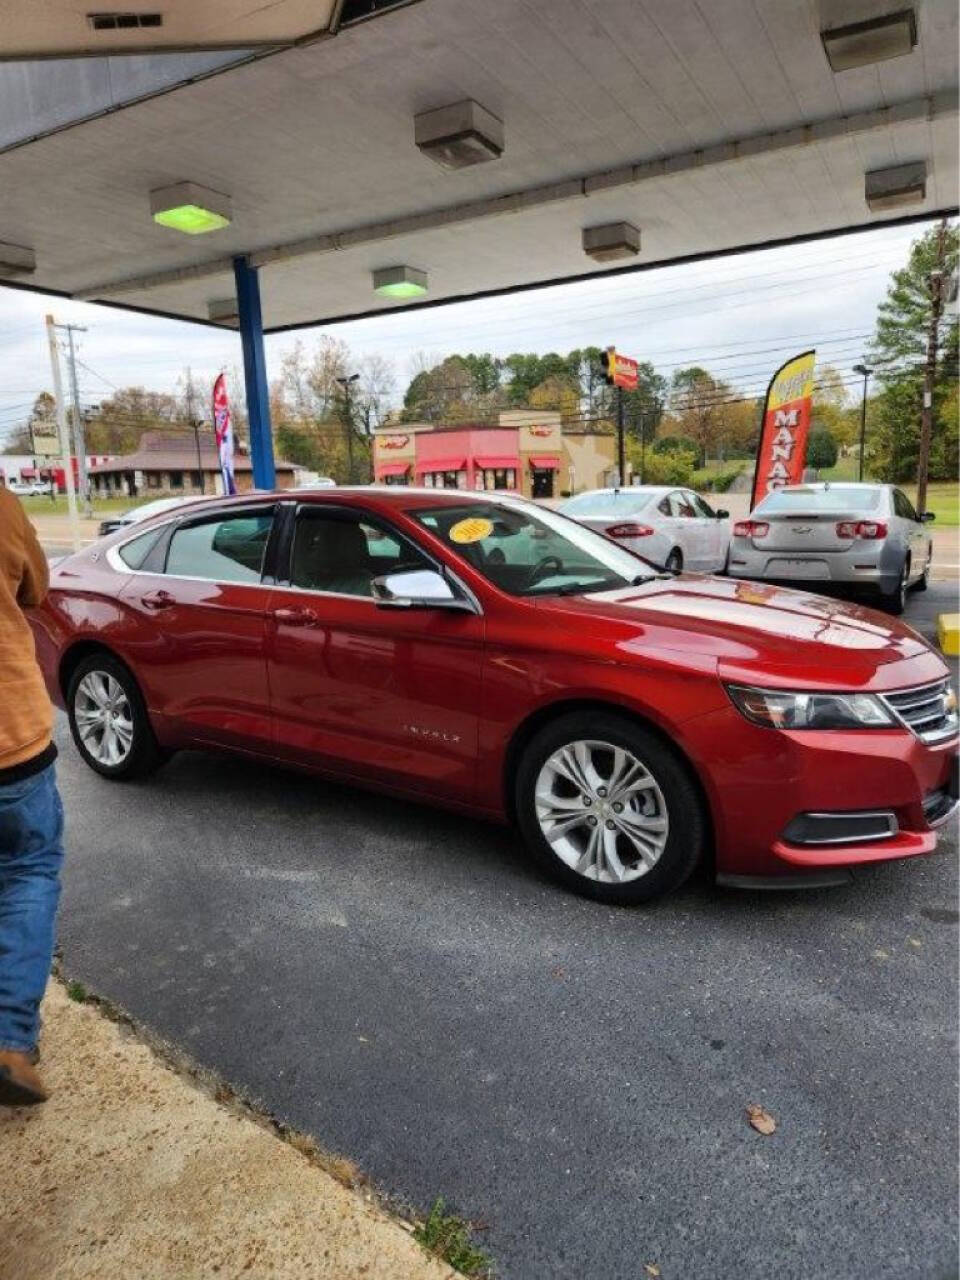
(841, 828)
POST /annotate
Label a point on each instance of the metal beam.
(255, 373)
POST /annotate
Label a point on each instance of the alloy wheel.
(602, 811)
(104, 718)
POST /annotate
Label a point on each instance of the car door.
(913, 532)
(362, 689)
(714, 535)
(686, 529)
(202, 605)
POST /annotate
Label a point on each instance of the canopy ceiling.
(707, 126)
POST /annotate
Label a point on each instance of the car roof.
(629, 488)
(833, 484)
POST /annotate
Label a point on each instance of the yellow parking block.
(948, 633)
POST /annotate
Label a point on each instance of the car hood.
(748, 630)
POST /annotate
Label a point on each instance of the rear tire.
(109, 721)
(608, 809)
(674, 562)
(895, 601)
(924, 580)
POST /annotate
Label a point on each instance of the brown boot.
(20, 1083)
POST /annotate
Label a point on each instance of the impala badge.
(420, 731)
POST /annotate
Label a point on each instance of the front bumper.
(760, 780)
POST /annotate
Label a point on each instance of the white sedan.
(671, 527)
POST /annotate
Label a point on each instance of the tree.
(123, 418)
(560, 393)
(898, 352)
(821, 450)
(697, 402)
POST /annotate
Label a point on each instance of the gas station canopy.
(366, 156)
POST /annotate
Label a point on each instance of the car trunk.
(799, 532)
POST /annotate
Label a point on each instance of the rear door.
(201, 600)
(388, 694)
(686, 529)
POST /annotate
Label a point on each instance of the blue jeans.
(31, 851)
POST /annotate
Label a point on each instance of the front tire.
(109, 721)
(608, 809)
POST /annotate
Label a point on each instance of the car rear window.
(838, 497)
(622, 502)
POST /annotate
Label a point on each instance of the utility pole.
(862, 368)
(79, 438)
(346, 382)
(196, 424)
(621, 446)
(935, 287)
(63, 433)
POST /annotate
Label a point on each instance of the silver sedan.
(672, 528)
(858, 535)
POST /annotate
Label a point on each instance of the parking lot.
(401, 984)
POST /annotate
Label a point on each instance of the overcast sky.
(739, 316)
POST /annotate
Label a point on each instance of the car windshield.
(530, 551)
(617, 502)
(837, 497)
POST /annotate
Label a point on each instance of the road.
(402, 985)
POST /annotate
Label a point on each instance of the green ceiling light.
(188, 207)
(400, 282)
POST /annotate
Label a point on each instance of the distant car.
(310, 480)
(27, 488)
(857, 535)
(671, 527)
(136, 514)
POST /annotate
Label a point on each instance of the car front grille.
(929, 710)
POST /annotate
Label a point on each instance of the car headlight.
(775, 709)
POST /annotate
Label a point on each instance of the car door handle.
(296, 617)
(158, 600)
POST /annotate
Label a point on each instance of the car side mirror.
(416, 589)
(722, 515)
(927, 517)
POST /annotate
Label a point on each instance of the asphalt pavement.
(400, 983)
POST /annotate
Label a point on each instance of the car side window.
(341, 553)
(703, 509)
(903, 506)
(135, 552)
(226, 549)
(680, 506)
(663, 506)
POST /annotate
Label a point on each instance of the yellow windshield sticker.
(473, 530)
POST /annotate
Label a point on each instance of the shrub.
(664, 468)
(676, 444)
(821, 449)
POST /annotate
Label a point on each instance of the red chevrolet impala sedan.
(495, 657)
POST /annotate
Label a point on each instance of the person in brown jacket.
(31, 815)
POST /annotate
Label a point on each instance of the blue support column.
(255, 373)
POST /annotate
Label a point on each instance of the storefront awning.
(497, 463)
(441, 464)
(28, 473)
(545, 462)
(393, 469)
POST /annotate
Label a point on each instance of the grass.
(42, 506)
(77, 991)
(943, 496)
(448, 1237)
